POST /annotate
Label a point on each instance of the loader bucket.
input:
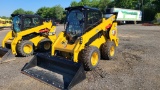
(55, 71)
(6, 55)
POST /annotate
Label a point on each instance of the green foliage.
(19, 11)
(29, 12)
(74, 3)
(148, 14)
(157, 18)
(156, 4)
(129, 4)
(56, 12)
(4, 17)
(103, 4)
(95, 3)
(44, 12)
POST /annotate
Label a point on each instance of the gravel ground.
(135, 67)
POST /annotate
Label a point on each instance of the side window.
(36, 21)
(31, 22)
(90, 16)
(27, 23)
(93, 17)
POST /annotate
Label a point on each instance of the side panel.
(7, 37)
(36, 40)
(113, 33)
(14, 44)
(98, 42)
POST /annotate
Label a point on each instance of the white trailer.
(126, 14)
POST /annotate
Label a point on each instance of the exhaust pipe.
(56, 71)
(6, 55)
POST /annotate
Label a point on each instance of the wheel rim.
(47, 46)
(112, 51)
(28, 48)
(94, 59)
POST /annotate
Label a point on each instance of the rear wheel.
(90, 57)
(25, 48)
(45, 45)
(108, 50)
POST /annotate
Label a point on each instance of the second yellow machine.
(29, 33)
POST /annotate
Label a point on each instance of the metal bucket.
(55, 71)
(6, 55)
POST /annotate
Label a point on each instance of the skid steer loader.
(87, 38)
(2, 23)
(29, 33)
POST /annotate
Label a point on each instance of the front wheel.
(25, 48)
(90, 57)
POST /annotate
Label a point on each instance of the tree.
(29, 12)
(103, 5)
(95, 3)
(156, 3)
(44, 12)
(86, 3)
(56, 12)
(74, 3)
(129, 4)
(19, 11)
(4, 17)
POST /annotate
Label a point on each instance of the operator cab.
(22, 22)
(79, 20)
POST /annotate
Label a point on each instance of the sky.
(8, 6)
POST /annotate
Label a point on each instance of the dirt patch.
(128, 36)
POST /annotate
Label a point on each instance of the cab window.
(36, 21)
(93, 17)
(27, 23)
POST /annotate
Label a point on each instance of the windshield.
(16, 24)
(75, 23)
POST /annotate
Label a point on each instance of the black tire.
(107, 51)
(21, 46)
(86, 56)
(42, 43)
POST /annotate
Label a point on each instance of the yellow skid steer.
(30, 33)
(88, 36)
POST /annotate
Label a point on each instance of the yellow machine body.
(5, 23)
(8, 23)
(61, 43)
(2, 23)
(13, 38)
